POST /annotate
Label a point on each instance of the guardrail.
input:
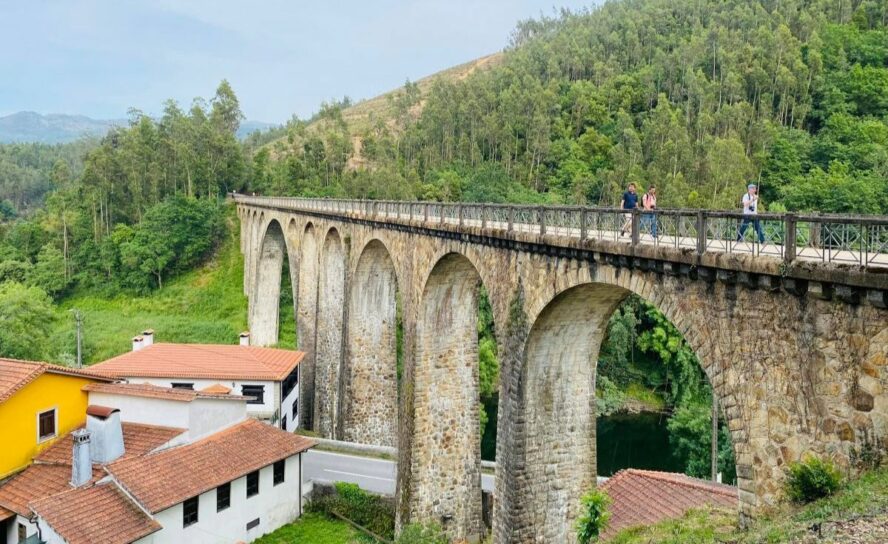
(846, 239)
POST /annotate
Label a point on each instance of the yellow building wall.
(18, 417)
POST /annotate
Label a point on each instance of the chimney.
(148, 337)
(81, 466)
(138, 343)
(106, 443)
(245, 338)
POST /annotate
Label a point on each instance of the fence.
(855, 240)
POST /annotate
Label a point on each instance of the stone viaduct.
(794, 342)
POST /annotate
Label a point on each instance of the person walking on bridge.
(628, 203)
(750, 213)
(649, 204)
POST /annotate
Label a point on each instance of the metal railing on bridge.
(847, 239)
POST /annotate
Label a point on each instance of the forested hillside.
(696, 96)
(699, 97)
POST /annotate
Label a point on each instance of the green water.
(634, 441)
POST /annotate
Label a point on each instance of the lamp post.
(78, 320)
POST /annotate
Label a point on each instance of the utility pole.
(714, 437)
(78, 320)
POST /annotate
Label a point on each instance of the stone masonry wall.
(446, 446)
(370, 402)
(328, 358)
(306, 318)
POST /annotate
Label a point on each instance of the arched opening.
(445, 454)
(554, 434)
(654, 400)
(328, 362)
(306, 322)
(370, 410)
(272, 271)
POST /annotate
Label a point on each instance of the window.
(284, 422)
(189, 511)
(255, 391)
(22, 532)
(295, 409)
(279, 472)
(46, 425)
(182, 385)
(223, 497)
(253, 524)
(252, 483)
(290, 382)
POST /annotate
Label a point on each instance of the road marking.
(358, 475)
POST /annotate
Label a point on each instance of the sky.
(101, 57)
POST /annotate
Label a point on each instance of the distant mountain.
(248, 127)
(56, 128)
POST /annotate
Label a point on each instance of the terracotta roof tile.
(203, 361)
(138, 439)
(216, 389)
(157, 392)
(15, 374)
(5, 514)
(33, 483)
(644, 497)
(100, 514)
(168, 477)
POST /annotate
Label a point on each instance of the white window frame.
(55, 414)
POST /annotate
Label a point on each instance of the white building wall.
(200, 417)
(290, 401)
(212, 415)
(275, 506)
(148, 411)
(12, 528)
(259, 411)
(48, 534)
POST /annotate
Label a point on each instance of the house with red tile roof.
(222, 477)
(644, 497)
(270, 377)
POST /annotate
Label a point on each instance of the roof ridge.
(685, 480)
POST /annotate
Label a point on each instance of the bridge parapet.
(845, 250)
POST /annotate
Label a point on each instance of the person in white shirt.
(750, 213)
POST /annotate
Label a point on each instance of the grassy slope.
(314, 529)
(204, 305)
(360, 117)
(864, 501)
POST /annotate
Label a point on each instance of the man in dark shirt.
(629, 203)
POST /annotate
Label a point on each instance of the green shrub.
(417, 533)
(812, 479)
(350, 501)
(595, 516)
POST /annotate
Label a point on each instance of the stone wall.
(328, 350)
(798, 368)
(446, 444)
(370, 400)
(306, 318)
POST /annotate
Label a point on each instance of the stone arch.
(370, 400)
(553, 432)
(330, 314)
(308, 271)
(445, 450)
(265, 306)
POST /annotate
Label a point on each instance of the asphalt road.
(371, 474)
